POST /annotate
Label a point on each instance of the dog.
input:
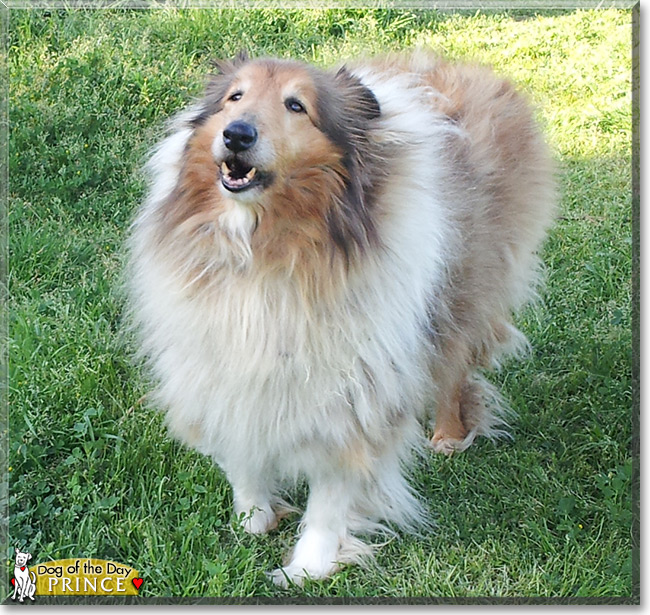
(24, 579)
(325, 260)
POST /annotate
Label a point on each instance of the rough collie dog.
(323, 259)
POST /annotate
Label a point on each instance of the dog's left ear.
(29, 556)
(345, 109)
(359, 98)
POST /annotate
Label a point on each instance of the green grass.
(93, 473)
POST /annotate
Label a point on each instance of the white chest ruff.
(243, 364)
(252, 368)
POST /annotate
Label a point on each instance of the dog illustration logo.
(24, 580)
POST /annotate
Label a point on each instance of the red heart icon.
(13, 582)
(22, 567)
(137, 582)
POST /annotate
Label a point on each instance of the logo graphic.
(24, 581)
(73, 577)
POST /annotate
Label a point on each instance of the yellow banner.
(85, 577)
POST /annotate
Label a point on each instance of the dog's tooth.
(249, 176)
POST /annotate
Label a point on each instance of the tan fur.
(503, 160)
(503, 156)
(506, 154)
(291, 234)
(302, 324)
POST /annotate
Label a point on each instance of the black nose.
(239, 136)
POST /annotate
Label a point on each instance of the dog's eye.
(294, 105)
(235, 97)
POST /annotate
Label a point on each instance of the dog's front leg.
(252, 496)
(325, 529)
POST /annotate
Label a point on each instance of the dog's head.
(280, 160)
(22, 558)
(287, 140)
(270, 117)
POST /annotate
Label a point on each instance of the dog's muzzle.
(237, 171)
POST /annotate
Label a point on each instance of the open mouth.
(237, 176)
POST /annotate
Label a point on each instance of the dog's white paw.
(284, 577)
(315, 557)
(296, 574)
(259, 520)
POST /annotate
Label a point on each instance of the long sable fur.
(309, 331)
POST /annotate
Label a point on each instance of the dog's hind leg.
(450, 373)
(467, 405)
(451, 433)
(460, 414)
(31, 586)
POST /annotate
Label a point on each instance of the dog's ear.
(242, 57)
(358, 97)
(218, 85)
(346, 110)
(29, 556)
(228, 67)
(17, 550)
